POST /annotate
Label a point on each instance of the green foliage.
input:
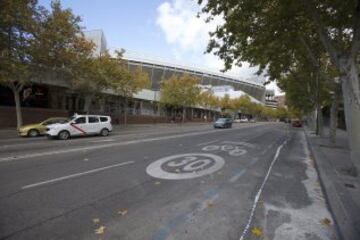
(124, 82)
(207, 99)
(180, 91)
(226, 103)
(18, 28)
(292, 41)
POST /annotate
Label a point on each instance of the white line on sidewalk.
(75, 175)
(258, 194)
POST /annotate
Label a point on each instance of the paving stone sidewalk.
(341, 186)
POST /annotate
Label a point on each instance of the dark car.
(296, 123)
(223, 123)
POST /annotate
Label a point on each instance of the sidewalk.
(341, 187)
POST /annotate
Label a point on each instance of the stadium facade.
(50, 96)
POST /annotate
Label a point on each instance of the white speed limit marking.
(235, 151)
(185, 166)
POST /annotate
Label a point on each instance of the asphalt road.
(185, 182)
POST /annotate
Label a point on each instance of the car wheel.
(104, 132)
(63, 135)
(33, 133)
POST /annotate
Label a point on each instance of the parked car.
(296, 123)
(223, 123)
(37, 129)
(244, 120)
(81, 125)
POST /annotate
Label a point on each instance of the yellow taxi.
(37, 129)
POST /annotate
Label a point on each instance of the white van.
(80, 125)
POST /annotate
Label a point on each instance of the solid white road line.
(79, 149)
(258, 194)
(75, 175)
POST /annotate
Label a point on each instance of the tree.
(18, 26)
(126, 83)
(35, 42)
(226, 103)
(306, 91)
(272, 33)
(242, 104)
(180, 92)
(62, 52)
(208, 100)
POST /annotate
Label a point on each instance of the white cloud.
(274, 87)
(188, 36)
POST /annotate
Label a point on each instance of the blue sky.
(166, 29)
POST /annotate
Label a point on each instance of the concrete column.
(141, 107)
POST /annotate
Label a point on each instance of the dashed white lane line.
(258, 194)
(75, 175)
(102, 140)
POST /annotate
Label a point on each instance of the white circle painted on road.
(185, 166)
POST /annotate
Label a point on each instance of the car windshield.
(53, 120)
(221, 120)
(69, 119)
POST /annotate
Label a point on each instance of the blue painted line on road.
(211, 192)
(164, 232)
(237, 175)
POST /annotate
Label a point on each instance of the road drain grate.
(349, 185)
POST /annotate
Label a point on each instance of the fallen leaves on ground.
(123, 212)
(325, 221)
(157, 183)
(257, 232)
(210, 204)
(100, 230)
(96, 220)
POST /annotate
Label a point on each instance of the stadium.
(48, 97)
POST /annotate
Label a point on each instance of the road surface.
(254, 181)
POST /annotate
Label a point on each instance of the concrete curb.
(345, 226)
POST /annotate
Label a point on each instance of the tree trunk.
(334, 113)
(352, 117)
(183, 114)
(319, 122)
(102, 104)
(126, 103)
(87, 103)
(18, 107)
(311, 119)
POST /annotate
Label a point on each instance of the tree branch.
(314, 60)
(324, 36)
(356, 33)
